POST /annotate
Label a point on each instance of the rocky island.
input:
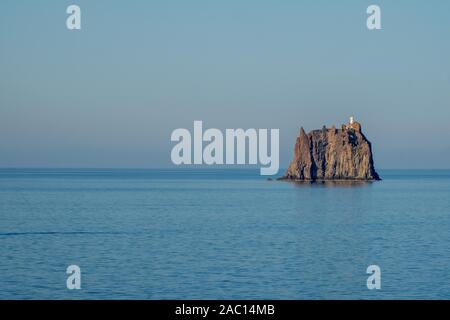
(332, 154)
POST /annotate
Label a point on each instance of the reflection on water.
(332, 183)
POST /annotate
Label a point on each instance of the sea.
(222, 234)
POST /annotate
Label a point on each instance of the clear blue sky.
(111, 94)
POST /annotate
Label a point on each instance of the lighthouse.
(352, 125)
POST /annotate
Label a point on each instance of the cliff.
(332, 154)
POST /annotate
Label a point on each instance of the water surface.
(221, 234)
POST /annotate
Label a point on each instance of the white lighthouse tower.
(352, 124)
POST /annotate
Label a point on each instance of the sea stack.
(332, 154)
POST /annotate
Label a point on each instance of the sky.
(110, 95)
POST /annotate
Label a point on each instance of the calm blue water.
(213, 234)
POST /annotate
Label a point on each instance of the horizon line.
(191, 167)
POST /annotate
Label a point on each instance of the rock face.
(332, 154)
